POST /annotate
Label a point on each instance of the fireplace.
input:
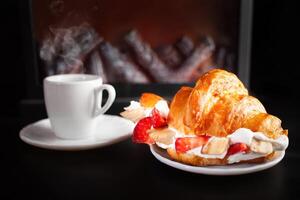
(155, 46)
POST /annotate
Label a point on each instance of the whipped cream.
(243, 156)
(244, 135)
(241, 135)
(133, 105)
(280, 144)
(198, 152)
(177, 135)
(166, 146)
(161, 106)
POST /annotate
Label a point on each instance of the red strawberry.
(237, 148)
(158, 120)
(182, 145)
(140, 134)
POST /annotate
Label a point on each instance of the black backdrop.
(275, 53)
(275, 69)
(274, 62)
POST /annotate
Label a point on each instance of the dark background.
(274, 80)
(274, 60)
(275, 64)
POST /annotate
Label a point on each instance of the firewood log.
(146, 57)
(185, 46)
(170, 56)
(118, 67)
(202, 52)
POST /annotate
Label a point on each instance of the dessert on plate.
(214, 123)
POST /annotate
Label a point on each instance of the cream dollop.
(198, 152)
(165, 146)
(241, 135)
(279, 144)
(161, 106)
(244, 135)
(243, 156)
(133, 105)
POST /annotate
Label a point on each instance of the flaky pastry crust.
(218, 105)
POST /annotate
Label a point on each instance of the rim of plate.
(222, 170)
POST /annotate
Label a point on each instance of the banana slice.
(216, 145)
(164, 136)
(261, 147)
(134, 114)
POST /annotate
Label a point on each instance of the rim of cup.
(72, 78)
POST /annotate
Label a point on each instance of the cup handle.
(111, 97)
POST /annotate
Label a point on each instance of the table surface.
(126, 170)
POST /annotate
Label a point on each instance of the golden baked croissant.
(218, 105)
(214, 123)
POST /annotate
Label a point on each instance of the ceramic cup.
(73, 102)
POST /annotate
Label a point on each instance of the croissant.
(219, 104)
(214, 123)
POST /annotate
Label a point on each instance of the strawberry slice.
(183, 145)
(140, 134)
(158, 121)
(237, 148)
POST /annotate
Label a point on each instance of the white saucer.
(111, 129)
(235, 169)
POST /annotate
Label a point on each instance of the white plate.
(110, 129)
(235, 169)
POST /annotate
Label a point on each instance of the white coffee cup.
(73, 103)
